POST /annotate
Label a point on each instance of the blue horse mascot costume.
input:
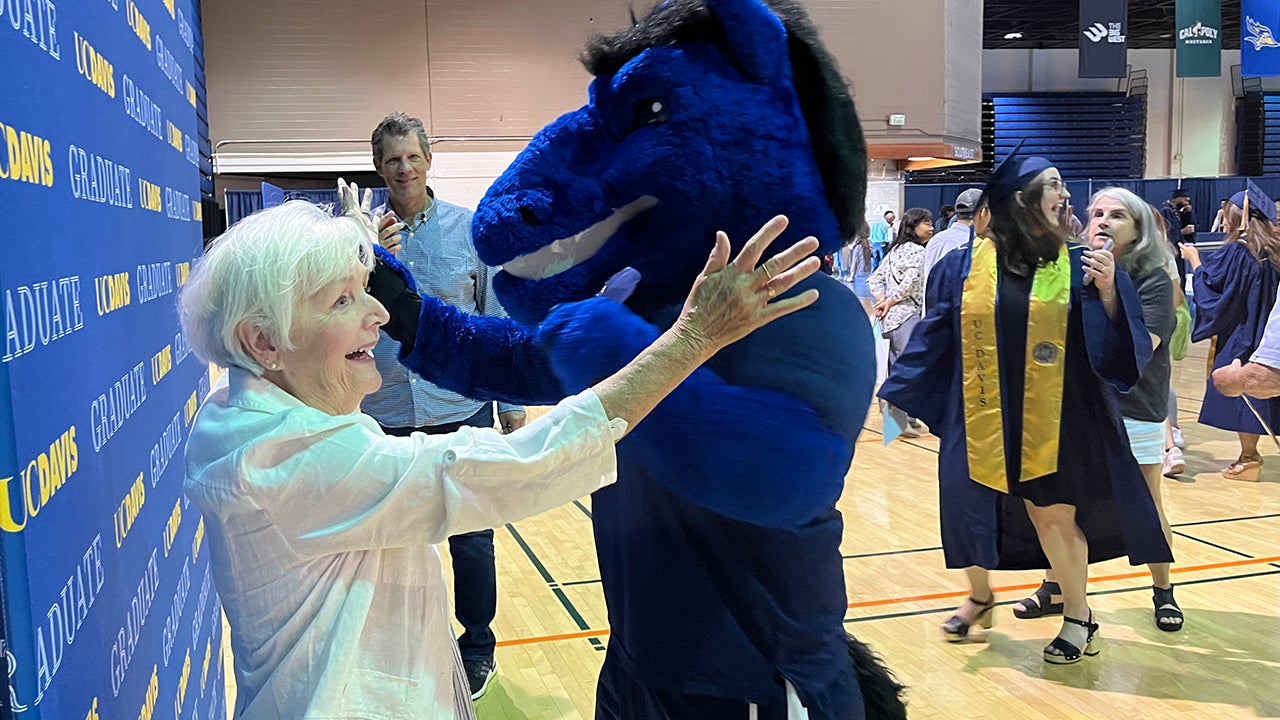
(719, 546)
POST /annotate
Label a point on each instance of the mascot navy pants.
(619, 696)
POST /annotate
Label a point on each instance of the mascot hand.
(589, 340)
(391, 284)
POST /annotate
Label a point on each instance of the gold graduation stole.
(1045, 363)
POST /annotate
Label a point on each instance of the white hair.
(259, 271)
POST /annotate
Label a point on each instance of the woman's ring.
(771, 292)
(767, 273)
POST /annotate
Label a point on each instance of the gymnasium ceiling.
(1056, 24)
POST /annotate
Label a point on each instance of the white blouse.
(322, 534)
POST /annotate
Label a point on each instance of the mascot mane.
(828, 109)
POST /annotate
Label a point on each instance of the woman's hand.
(1191, 254)
(383, 228)
(728, 300)
(1101, 266)
(732, 298)
(882, 307)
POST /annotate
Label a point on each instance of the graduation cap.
(1253, 197)
(1012, 174)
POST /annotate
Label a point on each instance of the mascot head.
(706, 115)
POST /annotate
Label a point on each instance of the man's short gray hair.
(398, 125)
(260, 271)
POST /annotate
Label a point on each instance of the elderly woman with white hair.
(322, 529)
(1130, 225)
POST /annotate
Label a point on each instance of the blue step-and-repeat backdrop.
(108, 606)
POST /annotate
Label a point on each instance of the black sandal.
(1038, 604)
(1067, 653)
(957, 630)
(1166, 609)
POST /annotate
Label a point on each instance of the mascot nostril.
(719, 545)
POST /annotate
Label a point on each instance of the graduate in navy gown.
(1235, 288)
(1008, 368)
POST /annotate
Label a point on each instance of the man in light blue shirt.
(881, 236)
(433, 239)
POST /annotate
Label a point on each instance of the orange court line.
(919, 598)
(553, 638)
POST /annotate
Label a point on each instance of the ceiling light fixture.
(1013, 36)
(919, 158)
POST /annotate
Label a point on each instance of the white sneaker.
(1178, 441)
(1174, 464)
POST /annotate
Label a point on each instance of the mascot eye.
(650, 111)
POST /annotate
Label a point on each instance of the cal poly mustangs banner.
(1104, 27)
(1259, 51)
(1199, 38)
(108, 604)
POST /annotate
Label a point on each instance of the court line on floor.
(936, 548)
(594, 635)
(1224, 548)
(551, 584)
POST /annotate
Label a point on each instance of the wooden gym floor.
(552, 627)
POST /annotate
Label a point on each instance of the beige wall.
(283, 69)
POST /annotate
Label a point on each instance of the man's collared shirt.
(436, 247)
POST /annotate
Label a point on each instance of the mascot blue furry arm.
(719, 544)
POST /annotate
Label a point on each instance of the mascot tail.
(881, 691)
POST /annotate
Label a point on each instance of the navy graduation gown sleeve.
(931, 363)
(1233, 293)
(1119, 348)
(1223, 288)
(481, 356)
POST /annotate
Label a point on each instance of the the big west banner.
(108, 605)
(1104, 28)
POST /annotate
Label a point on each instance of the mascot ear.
(757, 40)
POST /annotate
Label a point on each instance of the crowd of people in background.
(916, 280)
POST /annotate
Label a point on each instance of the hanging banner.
(1104, 27)
(1199, 38)
(1259, 51)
